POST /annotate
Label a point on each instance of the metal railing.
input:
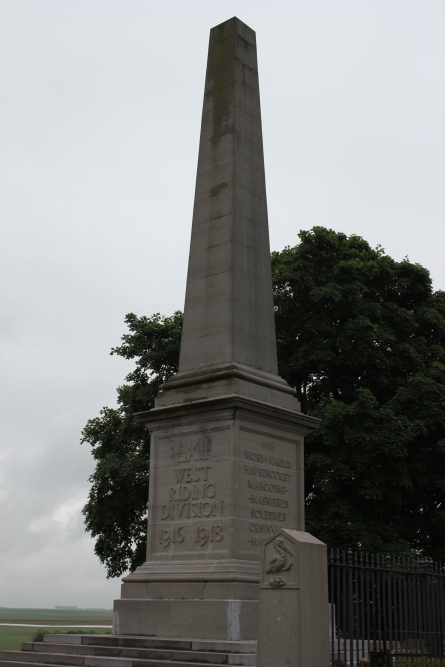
(385, 605)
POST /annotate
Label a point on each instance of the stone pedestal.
(224, 475)
(293, 624)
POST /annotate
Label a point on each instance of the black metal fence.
(391, 607)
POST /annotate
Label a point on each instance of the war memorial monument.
(226, 468)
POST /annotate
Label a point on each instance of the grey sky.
(100, 118)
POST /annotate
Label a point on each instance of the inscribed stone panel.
(267, 480)
(191, 490)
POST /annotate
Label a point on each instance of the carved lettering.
(192, 474)
(189, 510)
(265, 486)
(174, 536)
(256, 471)
(191, 495)
(267, 481)
(212, 534)
(197, 450)
(266, 500)
(209, 490)
(262, 528)
(195, 492)
(267, 516)
(266, 459)
(165, 512)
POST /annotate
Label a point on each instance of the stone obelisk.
(226, 465)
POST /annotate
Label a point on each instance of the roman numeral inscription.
(197, 449)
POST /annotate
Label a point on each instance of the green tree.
(116, 511)
(360, 337)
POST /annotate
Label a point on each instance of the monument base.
(223, 620)
(224, 474)
(225, 611)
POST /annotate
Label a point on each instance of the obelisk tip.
(230, 28)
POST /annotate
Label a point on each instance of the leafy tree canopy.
(361, 338)
(116, 511)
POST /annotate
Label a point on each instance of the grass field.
(75, 616)
(60, 620)
(11, 638)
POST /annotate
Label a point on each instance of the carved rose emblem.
(277, 582)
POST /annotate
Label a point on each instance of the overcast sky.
(100, 118)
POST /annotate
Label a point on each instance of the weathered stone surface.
(221, 481)
(234, 620)
(293, 626)
(226, 461)
(230, 184)
(203, 590)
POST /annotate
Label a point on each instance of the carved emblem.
(277, 582)
(279, 563)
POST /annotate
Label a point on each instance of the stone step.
(131, 656)
(129, 641)
(52, 658)
(11, 660)
(67, 650)
(147, 663)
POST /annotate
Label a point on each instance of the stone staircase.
(127, 651)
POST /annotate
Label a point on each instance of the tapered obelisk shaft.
(228, 341)
(228, 306)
